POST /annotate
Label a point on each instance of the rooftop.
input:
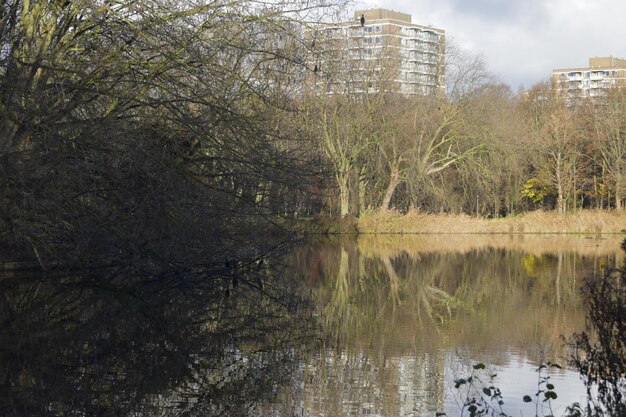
(380, 14)
(598, 63)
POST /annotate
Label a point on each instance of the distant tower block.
(602, 74)
(381, 50)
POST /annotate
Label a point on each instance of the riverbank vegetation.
(600, 351)
(152, 136)
(579, 222)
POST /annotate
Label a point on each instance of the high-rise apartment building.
(379, 49)
(602, 74)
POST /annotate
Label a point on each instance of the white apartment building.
(602, 74)
(380, 49)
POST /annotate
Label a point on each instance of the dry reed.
(581, 222)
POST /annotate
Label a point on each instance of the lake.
(374, 325)
(405, 316)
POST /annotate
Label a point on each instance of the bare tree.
(610, 137)
(465, 72)
(145, 132)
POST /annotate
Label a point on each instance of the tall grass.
(582, 222)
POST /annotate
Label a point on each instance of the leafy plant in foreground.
(545, 390)
(481, 397)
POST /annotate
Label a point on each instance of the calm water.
(370, 326)
(404, 317)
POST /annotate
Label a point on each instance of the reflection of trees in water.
(420, 300)
(389, 315)
(77, 346)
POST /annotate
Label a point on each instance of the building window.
(377, 28)
(377, 39)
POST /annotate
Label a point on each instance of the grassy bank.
(582, 222)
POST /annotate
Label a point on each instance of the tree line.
(479, 149)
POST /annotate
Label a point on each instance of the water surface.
(379, 325)
(405, 316)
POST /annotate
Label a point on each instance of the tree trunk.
(394, 180)
(362, 185)
(559, 270)
(560, 207)
(618, 193)
(344, 194)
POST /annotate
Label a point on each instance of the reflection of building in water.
(422, 382)
(342, 384)
(386, 52)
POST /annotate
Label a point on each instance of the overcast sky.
(522, 41)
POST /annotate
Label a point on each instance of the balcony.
(575, 76)
(599, 75)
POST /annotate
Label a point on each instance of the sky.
(522, 41)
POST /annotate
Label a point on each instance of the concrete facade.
(602, 74)
(386, 52)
